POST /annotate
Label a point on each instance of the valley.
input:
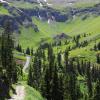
(51, 48)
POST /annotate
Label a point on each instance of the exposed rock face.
(46, 14)
(17, 18)
(61, 36)
(3, 18)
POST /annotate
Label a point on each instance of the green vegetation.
(61, 68)
(71, 28)
(31, 40)
(49, 30)
(8, 68)
(84, 4)
(19, 55)
(71, 79)
(31, 94)
(3, 11)
(22, 4)
(74, 27)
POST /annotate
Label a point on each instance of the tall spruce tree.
(97, 91)
(9, 69)
(55, 85)
(89, 81)
(30, 77)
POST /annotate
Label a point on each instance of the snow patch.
(2, 1)
(40, 3)
(49, 4)
(45, 0)
(49, 21)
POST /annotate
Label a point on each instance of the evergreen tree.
(97, 91)
(55, 87)
(28, 51)
(89, 81)
(37, 72)
(19, 48)
(61, 88)
(98, 46)
(59, 59)
(66, 60)
(98, 58)
(9, 69)
(30, 77)
(79, 67)
(95, 47)
(31, 51)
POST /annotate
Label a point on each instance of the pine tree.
(59, 59)
(67, 95)
(9, 72)
(89, 81)
(95, 47)
(55, 85)
(19, 48)
(30, 77)
(28, 51)
(97, 91)
(31, 51)
(79, 67)
(61, 88)
(48, 83)
(98, 46)
(98, 58)
(66, 60)
(37, 72)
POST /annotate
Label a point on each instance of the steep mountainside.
(29, 18)
(23, 15)
(56, 49)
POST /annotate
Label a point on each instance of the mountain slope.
(54, 32)
(74, 27)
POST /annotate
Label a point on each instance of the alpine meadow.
(49, 49)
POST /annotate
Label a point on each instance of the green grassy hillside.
(87, 29)
(74, 27)
(29, 38)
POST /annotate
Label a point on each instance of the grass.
(19, 55)
(59, 5)
(48, 29)
(21, 4)
(78, 26)
(3, 11)
(29, 38)
(32, 94)
(84, 4)
(84, 53)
